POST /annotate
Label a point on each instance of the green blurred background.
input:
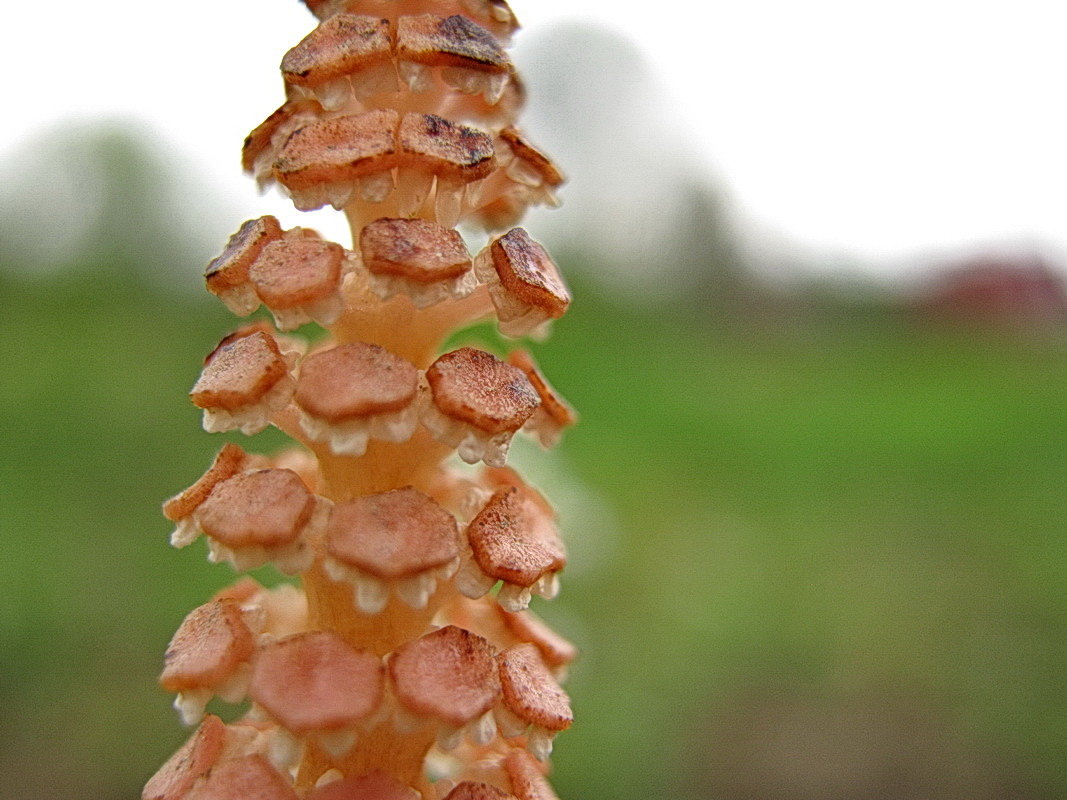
(817, 534)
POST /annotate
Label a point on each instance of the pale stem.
(417, 336)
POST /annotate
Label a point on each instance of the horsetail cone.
(405, 664)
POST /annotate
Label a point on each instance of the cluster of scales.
(402, 662)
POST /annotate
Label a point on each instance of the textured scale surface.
(388, 654)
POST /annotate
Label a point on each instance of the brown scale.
(527, 777)
(494, 15)
(453, 41)
(375, 785)
(415, 249)
(315, 683)
(476, 388)
(243, 778)
(266, 508)
(230, 269)
(469, 790)
(399, 541)
(555, 414)
(354, 380)
(448, 676)
(230, 460)
(529, 690)
(342, 44)
(514, 541)
(297, 272)
(212, 641)
(239, 373)
(338, 149)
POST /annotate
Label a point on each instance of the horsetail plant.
(406, 665)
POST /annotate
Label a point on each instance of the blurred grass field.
(831, 547)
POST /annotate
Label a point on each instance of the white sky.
(874, 130)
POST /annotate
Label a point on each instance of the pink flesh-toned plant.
(397, 669)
